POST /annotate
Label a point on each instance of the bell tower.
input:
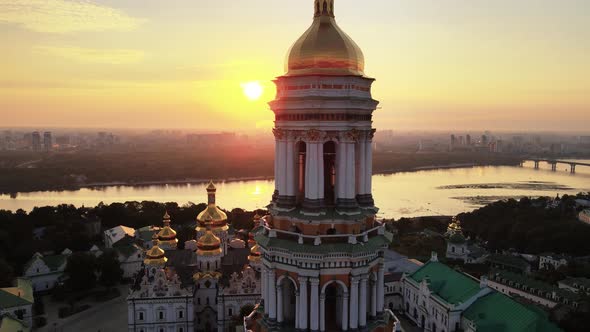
(321, 246)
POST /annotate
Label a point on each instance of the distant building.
(47, 141)
(438, 298)
(538, 292)
(576, 285)
(16, 307)
(36, 141)
(552, 261)
(584, 216)
(116, 234)
(509, 263)
(459, 248)
(46, 271)
(130, 258)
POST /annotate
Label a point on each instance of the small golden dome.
(208, 241)
(255, 250)
(206, 275)
(324, 49)
(156, 255)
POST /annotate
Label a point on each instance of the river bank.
(197, 181)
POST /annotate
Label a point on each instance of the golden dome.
(206, 275)
(156, 255)
(212, 214)
(324, 49)
(255, 254)
(208, 241)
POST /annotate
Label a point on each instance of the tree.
(110, 269)
(6, 274)
(80, 270)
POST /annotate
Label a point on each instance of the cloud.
(109, 56)
(63, 16)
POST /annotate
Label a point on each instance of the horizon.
(499, 66)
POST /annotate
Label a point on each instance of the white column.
(345, 312)
(361, 168)
(297, 310)
(354, 301)
(363, 303)
(373, 299)
(290, 167)
(303, 303)
(314, 302)
(380, 288)
(279, 303)
(282, 167)
(320, 169)
(272, 288)
(263, 282)
(341, 171)
(311, 171)
(322, 312)
(350, 171)
(277, 153)
(369, 166)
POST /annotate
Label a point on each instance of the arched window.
(329, 172)
(301, 156)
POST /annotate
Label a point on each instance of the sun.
(253, 90)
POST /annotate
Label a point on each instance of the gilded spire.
(324, 8)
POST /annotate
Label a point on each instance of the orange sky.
(439, 64)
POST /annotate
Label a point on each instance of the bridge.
(554, 162)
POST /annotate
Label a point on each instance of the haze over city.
(498, 65)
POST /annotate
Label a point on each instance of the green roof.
(577, 282)
(508, 260)
(17, 296)
(55, 262)
(452, 286)
(496, 312)
(375, 243)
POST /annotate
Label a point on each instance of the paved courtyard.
(101, 317)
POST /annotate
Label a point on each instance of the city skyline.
(499, 65)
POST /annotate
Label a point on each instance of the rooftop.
(496, 312)
(452, 286)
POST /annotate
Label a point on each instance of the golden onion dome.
(156, 255)
(324, 49)
(212, 215)
(208, 241)
(255, 250)
(166, 233)
(255, 254)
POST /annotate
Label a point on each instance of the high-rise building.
(47, 141)
(36, 141)
(322, 247)
(468, 140)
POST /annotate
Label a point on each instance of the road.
(110, 316)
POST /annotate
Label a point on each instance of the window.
(181, 314)
(180, 329)
(140, 316)
(199, 301)
(160, 315)
(230, 312)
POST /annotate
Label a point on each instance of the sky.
(439, 64)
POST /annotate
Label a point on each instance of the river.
(406, 194)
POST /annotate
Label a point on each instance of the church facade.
(202, 287)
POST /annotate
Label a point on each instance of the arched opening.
(301, 156)
(334, 306)
(330, 172)
(289, 292)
